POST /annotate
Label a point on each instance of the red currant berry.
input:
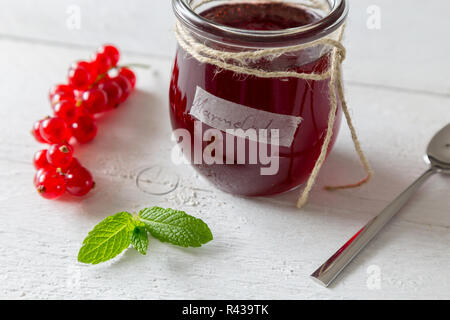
(78, 181)
(84, 129)
(66, 110)
(102, 62)
(125, 85)
(105, 77)
(82, 112)
(80, 77)
(50, 183)
(113, 91)
(127, 73)
(36, 131)
(54, 130)
(90, 66)
(60, 155)
(111, 52)
(94, 100)
(37, 174)
(61, 97)
(74, 164)
(78, 94)
(62, 90)
(40, 159)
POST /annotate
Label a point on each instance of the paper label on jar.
(224, 115)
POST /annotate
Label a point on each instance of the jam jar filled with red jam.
(205, 96)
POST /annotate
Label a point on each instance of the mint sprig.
(116, 233)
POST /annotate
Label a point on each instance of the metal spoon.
(438, 157)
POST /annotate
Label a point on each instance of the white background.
(397, 84)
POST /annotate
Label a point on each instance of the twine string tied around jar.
(239, 62)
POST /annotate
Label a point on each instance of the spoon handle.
(328, 271)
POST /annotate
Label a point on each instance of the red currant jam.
(286, 96)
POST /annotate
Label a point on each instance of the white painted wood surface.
(399, 91)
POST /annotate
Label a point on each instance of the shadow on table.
(342, 168)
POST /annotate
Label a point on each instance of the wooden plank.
(263, 248)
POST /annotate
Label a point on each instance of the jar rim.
(267, 38)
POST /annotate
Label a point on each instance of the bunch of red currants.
(93, 87)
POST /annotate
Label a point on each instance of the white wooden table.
(397, 84)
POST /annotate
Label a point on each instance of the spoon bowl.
(438, 151)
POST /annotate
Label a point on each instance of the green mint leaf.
(139, 239)
(108, 238)
(176, 227)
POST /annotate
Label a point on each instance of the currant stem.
(135, 65)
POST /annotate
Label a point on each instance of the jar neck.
(333, 12)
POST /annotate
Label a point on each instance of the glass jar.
(204, 96)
